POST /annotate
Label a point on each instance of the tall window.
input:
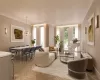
(75, 32)
(42, 36)
(58, 32)
(65, 37)
(34, 34)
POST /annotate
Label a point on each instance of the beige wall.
(46, 29)
(5, 39)
(94, 51)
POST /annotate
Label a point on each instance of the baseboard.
(97, 72)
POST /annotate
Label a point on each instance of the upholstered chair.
(77, 68)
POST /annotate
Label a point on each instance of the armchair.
(77, 68)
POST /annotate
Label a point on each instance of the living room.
(49, 40)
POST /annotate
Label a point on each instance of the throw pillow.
(51, 48)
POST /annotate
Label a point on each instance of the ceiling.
(55, 12)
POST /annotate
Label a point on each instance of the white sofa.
(44, 59)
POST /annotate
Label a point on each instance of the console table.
(64, 57)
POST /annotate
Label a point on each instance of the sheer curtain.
(42, 43)
(34, 34)
(58, 33)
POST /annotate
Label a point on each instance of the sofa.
(45, 58)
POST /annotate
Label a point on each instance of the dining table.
(24, 47)
(19, 50)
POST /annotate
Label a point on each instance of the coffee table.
(65, 57)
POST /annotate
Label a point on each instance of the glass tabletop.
(64, 57)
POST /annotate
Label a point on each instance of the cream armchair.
(43, 59)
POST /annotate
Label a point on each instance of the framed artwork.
(97, 21)
(90, 30)
(17, 34)
(85, 30)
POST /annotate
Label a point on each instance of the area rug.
(56, 69)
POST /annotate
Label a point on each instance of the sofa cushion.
(51, 48)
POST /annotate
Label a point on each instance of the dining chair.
(11, 50)
(26, 53)
(32, 51)
(37, 47)
(14, 52)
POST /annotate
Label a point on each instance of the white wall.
(94, 51)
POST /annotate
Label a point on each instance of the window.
(42, 36)
(76, 32)
(58, 32)
(73, 32)
(65, 37)
(34, 34)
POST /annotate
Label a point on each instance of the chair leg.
(31, 55)
(22, 57)
(34, 54)
(26, 57)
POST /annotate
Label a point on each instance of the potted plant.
(61, 46)
(33, 41)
